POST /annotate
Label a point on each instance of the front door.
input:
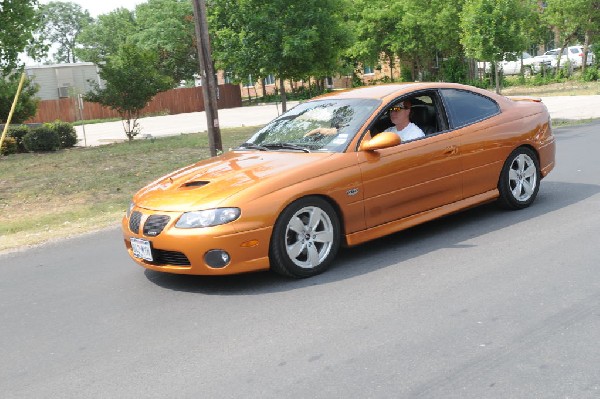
(410, 178)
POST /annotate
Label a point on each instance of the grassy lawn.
(567, 88)
(56, 195)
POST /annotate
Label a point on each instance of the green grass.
(55, 195)
(566, 88)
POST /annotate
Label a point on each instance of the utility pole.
(208, 77)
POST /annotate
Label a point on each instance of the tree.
(17, 23)
(419, 33)
(571, 17)
(132, 80)
(375, 23)
(290, 39)
(61, 24)
(105, 36)
(493, 29)
(167, 27)
(27, 105)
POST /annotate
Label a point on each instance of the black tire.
(300, 250)
(520, 179)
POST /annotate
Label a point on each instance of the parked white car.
(575, 56)
(511, 65)
(549, 58)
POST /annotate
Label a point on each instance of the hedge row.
(47, 137)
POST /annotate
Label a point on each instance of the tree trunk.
(283, 97)
(586, 45)
(497, 75)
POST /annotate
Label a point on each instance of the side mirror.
(381, 141)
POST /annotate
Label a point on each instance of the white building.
(63, 80)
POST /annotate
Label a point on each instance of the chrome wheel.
(309, 237)
(305, 239)
(522, 177)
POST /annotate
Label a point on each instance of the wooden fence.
(175, 101)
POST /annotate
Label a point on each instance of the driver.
(403, 127)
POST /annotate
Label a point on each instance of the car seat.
(423, 115)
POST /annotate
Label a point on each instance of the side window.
(465, 107)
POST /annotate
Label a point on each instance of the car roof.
(381, 92)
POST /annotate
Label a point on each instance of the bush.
(9, 146)
(17, 133)
(66, 133)
(591, 74)
(42, 139)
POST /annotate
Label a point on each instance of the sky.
(97, 7)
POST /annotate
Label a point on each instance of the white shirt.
(410, 132)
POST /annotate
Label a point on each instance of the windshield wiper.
(286, 146)
(254, 146)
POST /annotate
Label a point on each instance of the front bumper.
(183, 251)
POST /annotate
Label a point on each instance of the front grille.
(134, 222)
(162, 257)
(155, 224)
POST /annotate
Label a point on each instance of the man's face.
(398, 115)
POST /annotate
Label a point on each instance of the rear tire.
(305, 239)
(520, 179)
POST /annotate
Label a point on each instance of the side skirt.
(410, 221)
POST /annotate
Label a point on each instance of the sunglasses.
(397, 108)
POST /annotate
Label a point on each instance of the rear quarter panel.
(486, 145)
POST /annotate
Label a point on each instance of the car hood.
(208, 183)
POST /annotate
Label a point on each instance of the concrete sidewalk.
(169, 125)
(564, 107)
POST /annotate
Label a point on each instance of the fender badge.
(352, 192)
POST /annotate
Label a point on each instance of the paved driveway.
(567, 107)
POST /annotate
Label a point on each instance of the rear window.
(465, 107)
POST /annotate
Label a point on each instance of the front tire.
(520, 179)
(305, 239)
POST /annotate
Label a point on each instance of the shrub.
(42, 139)
(66, 133)
(9, 146)
(591, 74)
(17, 133)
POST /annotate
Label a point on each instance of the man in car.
(403, 127)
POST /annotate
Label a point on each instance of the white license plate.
(141, 249)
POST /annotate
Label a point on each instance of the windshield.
(322, 125)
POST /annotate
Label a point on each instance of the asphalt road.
(482, 304)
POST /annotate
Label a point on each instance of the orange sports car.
(335, 171)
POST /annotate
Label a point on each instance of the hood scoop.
(195, 184)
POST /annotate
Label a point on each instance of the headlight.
(208, 218)
(128, 213)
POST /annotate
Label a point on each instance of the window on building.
(270, 80)
(249, 82)
(369, 70)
